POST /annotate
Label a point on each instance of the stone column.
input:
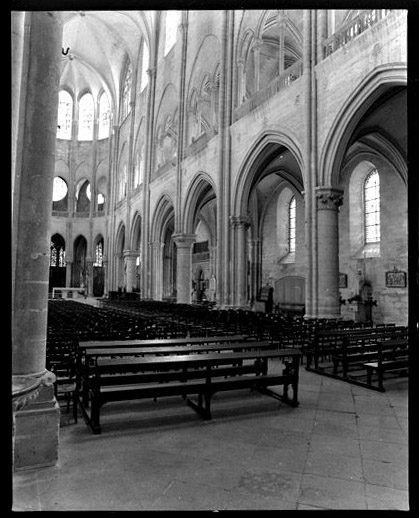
(89, 278)
(254, 246)
(105, 276)
(240, 225)
(130, 259)
(68, 273)
(184, 244)
(328, 203)
(281, 41)
(256, 52)
(241, 81)
(36, 412)
(156, 267)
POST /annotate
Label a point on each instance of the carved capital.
(328, 198)
(184, 240)
(240, 221)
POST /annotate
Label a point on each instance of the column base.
(36, 426)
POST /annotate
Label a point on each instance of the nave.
(343, 447)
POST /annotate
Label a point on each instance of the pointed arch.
(259, 153)
(199, 187)
(362, 98)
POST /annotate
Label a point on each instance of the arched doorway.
(79, 275)
(57, 265)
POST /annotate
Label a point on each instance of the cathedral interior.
(247, 162)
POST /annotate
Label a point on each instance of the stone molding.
(26, 388)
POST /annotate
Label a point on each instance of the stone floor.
(344, 447)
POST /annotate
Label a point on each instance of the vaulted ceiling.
(96, 44)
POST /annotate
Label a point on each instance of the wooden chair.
(65, 386)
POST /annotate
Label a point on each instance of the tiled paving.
(344, 447)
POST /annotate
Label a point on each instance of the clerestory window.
(86, 117)
(104, 117)
(65, 115)
(172, 22)
(126, 92)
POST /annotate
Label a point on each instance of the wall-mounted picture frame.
(395, 279)
(343, 280)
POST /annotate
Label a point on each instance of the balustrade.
(280, 82)
(358, 25)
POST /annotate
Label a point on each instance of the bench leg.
(203, 410)
(369, 375)
(95, 416)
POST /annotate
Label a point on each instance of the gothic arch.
(135, 238)
(362, 98)
(201, 182)
(163, 211)
(255, 158)
(382, 146)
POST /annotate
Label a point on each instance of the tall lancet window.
(99, 254)
(65, 115)
(372, 207)
(86, 117)
(126, 92)
(291, 225)
(144, 68)
(172, 22)
(104, 117)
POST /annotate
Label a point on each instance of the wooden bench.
(393, 356)
(92, 354)
(69, 293)
(182, 375)
(95, 344)
(361, 348)
(325, 344)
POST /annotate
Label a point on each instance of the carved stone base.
(36, 426)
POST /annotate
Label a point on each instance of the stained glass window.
(291, 225)
(104, 117)
(86, 116)
(126, 93)
(372, 207)
(65, 115)
(144, 68)
(172, 22)
(99, 254)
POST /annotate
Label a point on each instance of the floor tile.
(332, 493)
(344, 447)
(384, 498)
(337, 466)
(387, 474)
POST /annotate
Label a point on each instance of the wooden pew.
(92, 354)
(362, 348)
(198, 374)
(325, 344)
(393, 356)
(93, 344)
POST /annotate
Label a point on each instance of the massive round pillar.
(184, 244)
(328, 203)
(36, 412)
